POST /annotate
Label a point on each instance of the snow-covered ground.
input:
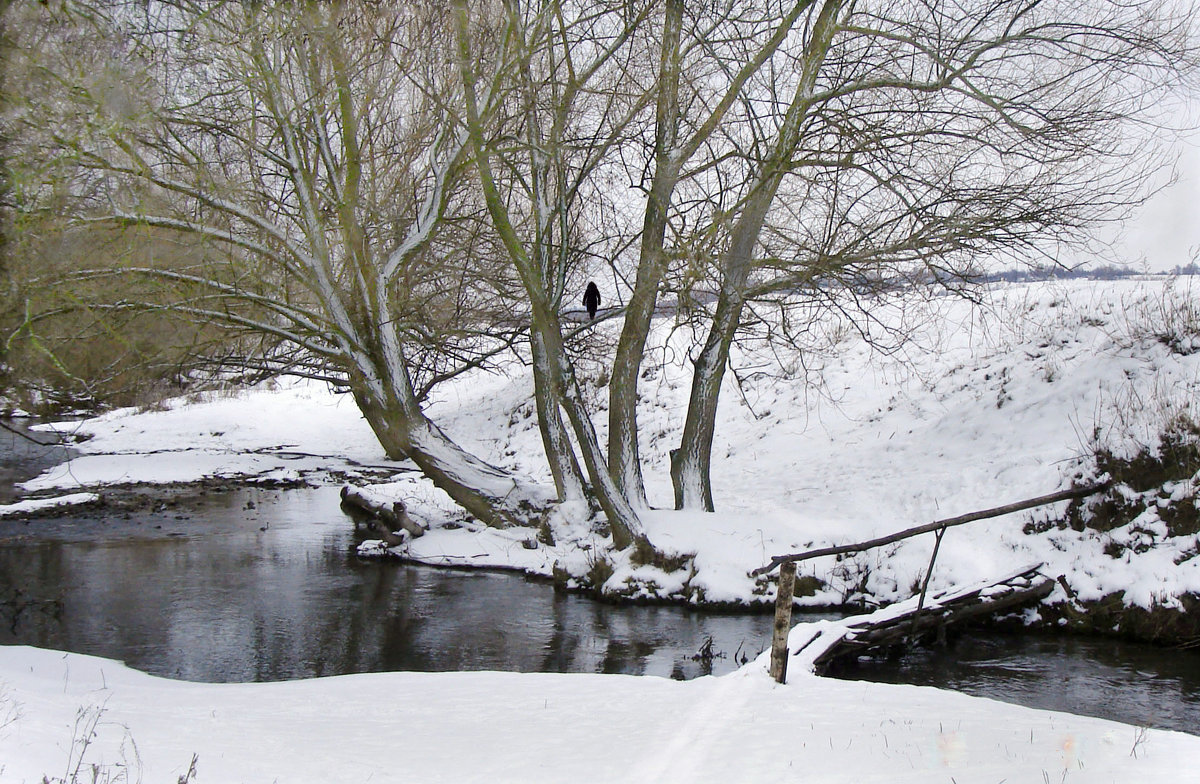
(510, 727)
(43, 504)
(981, 407)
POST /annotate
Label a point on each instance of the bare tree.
(562, 72)
(304, 142)
(758, 36)
(578, 87)
(919, 137)
(795, 147)
(400, 193)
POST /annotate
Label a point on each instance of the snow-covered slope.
(983, 404)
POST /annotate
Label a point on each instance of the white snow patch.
(513, 727)
(40, 504)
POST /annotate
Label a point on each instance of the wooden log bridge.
(910, 618)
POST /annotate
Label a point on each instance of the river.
(257, 584)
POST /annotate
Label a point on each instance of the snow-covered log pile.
(815, 646)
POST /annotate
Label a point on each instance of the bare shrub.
(1171, 318)
(1153, 489)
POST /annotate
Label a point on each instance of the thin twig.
(26, 436)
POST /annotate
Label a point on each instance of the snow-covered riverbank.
(981, 407)
(508, 727)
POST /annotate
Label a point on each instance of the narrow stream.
(1139, 684)
(258, 584)
(261, 584)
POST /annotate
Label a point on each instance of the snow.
(514, 727)
(843, 443)
(981, 407)
(264, 434)
(41, 504)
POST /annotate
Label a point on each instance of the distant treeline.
(1110, 272)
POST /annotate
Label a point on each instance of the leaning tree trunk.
(622, 519)
(560, 455)
(691, 463)
(564, 388)
(557, 375)
(486, 492)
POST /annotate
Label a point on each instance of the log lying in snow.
(1029, 503)
(897, 622)
(384, 519)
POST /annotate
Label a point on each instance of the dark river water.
(264, 585)
(24, 454)
(259, 584)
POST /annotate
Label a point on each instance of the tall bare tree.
(558, 69)
(920, 137)
(399, 193)
(795, 146)
(305, 143)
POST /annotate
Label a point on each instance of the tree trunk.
(560, 454)
(691, 464)
(486, 492)
(622, 517)
(623, 459)
(559, 383)
(671, 155)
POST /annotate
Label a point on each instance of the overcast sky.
(1165, 232)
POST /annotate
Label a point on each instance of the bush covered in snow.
(1149, 507)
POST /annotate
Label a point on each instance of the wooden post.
(783, 621)
(912, 634)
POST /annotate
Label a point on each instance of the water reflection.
(1131, 682)
(24, 454)
(274, 592)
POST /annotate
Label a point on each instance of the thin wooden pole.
(1063, 495)
(783, 621)
(912, 632)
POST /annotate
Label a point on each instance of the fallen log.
(382, 518)
(895, 624)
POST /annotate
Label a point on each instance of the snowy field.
(981, 407)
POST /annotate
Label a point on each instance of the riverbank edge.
(1173, 623)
